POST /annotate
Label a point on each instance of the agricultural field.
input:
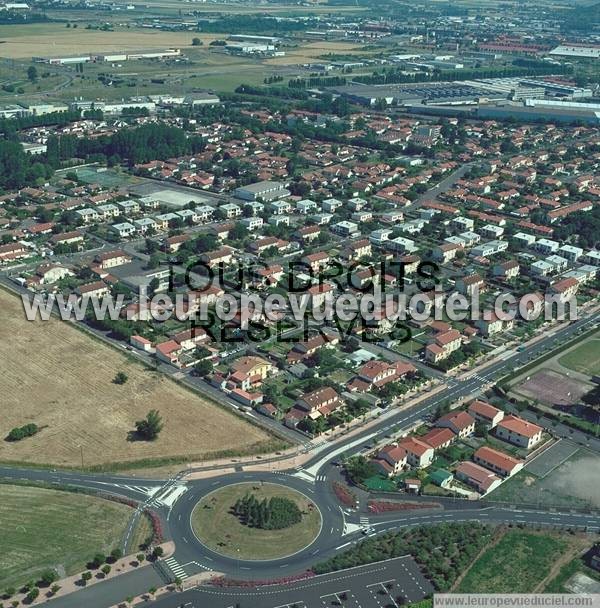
(55, 40)
(44, 528)
(61, 379)
(519, 562)
(314, 50)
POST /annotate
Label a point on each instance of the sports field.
(584, 359)
(61, 379)
(53, 529)
(220, 530)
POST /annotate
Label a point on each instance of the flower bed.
(344, 494)
(221, 581)
(384, 506)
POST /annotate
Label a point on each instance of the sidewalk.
(73, 586)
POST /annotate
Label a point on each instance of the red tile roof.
(517, 425)
(499, 459)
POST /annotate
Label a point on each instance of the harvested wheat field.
(61, 379)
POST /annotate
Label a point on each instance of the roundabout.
(219, 528)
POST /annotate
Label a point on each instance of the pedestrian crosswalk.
(364, 521)
(175, 568)
(169, 495)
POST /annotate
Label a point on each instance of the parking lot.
(381, 585)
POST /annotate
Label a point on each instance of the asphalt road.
(366, 586)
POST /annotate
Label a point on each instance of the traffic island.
(256, 521)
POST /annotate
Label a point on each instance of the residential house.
(519, 432)
(485, 413)
(490, 324)
(224, 255)
(418, 453)
(459, 422)
(123, 230)
(391, 459)
(253, 367)
(565, 289)
(110, 259)
(439, 438)
(97, 289)
(470, 284)
(446, 252)
(345, 229)
(499, 462)
(321, 401)
(376, 374)
(506, 271)
(480, 478)
(443, 345)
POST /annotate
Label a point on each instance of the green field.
(519, 562)
(222, 532)
(44, 528)
(584, 359)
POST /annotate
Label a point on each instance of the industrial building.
(428, 93)
(576, 50)
(109, 57)
(266, 190)
(552, 111)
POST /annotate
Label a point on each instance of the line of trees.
(275, 513)
(136, 145)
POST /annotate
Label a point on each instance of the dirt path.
(575, 549)
(498, 536)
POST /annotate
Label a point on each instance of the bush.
(120, 378)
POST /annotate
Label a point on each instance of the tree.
(32, 595)
(203, 368)
(116, 554)
(158, 552)
(55, 589)
(97, 561)
(48, 577)
(106, 569)
(196, 42)
(153, 261)
(151, 426)
(32, 73)
(85, 577)
(359, 469)
(120, 378)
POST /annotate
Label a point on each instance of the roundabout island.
(256, 521)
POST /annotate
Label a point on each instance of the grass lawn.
(380, 484)
(222, 532)
(54, 529)
(62, 379)
(585, 358)
(519, 562)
